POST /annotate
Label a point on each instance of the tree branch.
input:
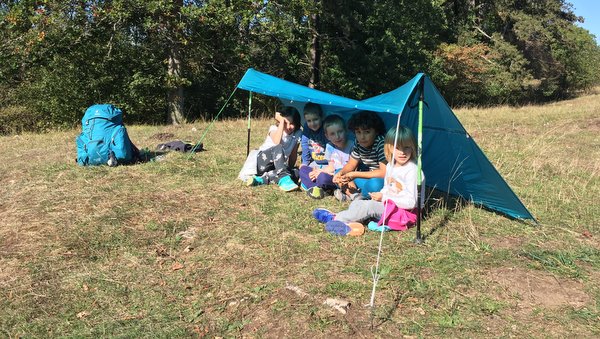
(484, 33)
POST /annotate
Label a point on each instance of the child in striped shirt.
(365, 169)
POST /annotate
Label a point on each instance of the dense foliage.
(155, 58)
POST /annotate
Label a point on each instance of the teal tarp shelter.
(451, 160)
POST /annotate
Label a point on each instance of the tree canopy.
(170, 61)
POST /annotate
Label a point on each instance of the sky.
(590, 11)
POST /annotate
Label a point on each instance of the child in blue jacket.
(313, 143)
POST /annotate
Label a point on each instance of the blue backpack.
(104, 139)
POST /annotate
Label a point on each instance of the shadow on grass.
(149, 156)
(438, 200)
(146, 155)
(387, 316)
(451, 204)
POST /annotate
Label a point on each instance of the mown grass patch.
(180, 247)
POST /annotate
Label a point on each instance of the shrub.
(18, 119)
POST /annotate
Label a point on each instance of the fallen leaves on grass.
(296, 289)
(340, 305)
(83, 314)
(161, 251)
(176, 266)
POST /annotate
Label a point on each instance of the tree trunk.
(176, 96)
(315, 54)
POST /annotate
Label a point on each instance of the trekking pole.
(419, 239)
(249, 113)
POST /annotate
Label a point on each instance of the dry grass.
(181, 248)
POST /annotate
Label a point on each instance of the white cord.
(375, 274)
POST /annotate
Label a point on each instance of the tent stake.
(419, 238)
(249, 114)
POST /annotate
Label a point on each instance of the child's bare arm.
(377, 173)
(277, 134)
(341, 178)
(350, 166)
(337, 179)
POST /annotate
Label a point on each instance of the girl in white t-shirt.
(393, 206)
(279, 151)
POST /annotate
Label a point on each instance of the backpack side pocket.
(121, 145)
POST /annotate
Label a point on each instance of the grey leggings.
(361, 210)
(272, 159)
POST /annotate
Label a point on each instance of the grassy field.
(180, 247)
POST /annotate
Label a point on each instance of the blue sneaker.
(255, 181)
(373, 226)
(344, 228)
(287, 184)
(322, 215)
(303, 187)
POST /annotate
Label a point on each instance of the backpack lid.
(103, 111)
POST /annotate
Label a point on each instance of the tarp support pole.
(249, 114)
(419, 238)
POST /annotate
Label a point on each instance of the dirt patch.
(311, 318)
(425, 273)
(593, 124)
(8, 244)
(13, 252)
(506, 243)
(11, 274)
(540, 289)
(163, 136)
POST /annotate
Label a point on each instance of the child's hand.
(336, 179)
(340, 179)
(278, 117)
(376, 196)
(314, 174)
(345, 180)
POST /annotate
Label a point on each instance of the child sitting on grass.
(337, 153)
(365, 169)
(313, 146)
(394, 205)
(277, 155)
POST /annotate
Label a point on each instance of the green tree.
(372, 46)
(170, 61)
(532, 51)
